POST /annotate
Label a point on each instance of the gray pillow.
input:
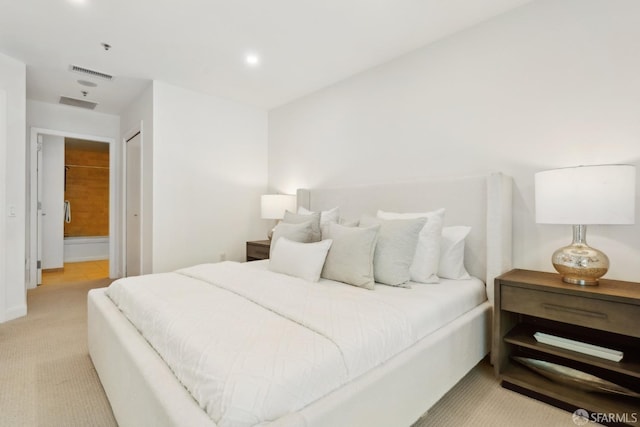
(294, 218)
(296, 232)
(395, 248)
(350, 258)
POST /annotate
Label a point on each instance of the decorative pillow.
(350, 259)
(452, 252)
(348, 222)
(303, 260)
(396, 246)
(424, 267)
(326, 217)
(293, 218)
(297, 232)
(331, 215)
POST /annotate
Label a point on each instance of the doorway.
(84, 248)
(76, 175)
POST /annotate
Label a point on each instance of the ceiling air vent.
(78, 103)
(92, 73)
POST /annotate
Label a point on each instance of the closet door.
(133, 208)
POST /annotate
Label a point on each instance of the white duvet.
(251, 345)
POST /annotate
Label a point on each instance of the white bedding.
(427, 306)
(291, 341)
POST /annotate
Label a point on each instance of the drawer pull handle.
(575, 311)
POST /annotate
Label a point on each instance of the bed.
(143, 390)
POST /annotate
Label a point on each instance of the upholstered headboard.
(482, 202)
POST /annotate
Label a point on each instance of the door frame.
(33, 200)
(3, 207)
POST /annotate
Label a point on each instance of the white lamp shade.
(583, 195)
(273, 206)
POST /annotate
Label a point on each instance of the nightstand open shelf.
(608, 316)
(522, 335)
(563, 396)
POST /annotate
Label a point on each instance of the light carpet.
(46, 375)
(47, 378)
(478, 400)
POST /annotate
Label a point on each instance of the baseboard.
(88, 258)
(14, 313)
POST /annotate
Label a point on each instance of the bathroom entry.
(80, 208)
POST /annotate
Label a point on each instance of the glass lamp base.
(580, 264)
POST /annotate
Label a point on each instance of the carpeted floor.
(479, 401)
(46, 375)
(47, 378)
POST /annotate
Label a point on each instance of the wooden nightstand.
(258, 249)
(607, 315)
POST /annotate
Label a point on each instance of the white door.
(133, 208)
(51, 177)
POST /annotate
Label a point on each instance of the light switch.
(12, 211)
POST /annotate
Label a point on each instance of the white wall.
(12, 185)
(52, 202)
(554, 83)
(72, 119)
(209, 170)
(139, 117)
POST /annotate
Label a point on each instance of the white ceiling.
(201, 44)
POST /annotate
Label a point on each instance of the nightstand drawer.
(589, 312)
(258, 250)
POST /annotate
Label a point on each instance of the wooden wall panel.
(87, 190)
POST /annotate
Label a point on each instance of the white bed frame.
(144, 392)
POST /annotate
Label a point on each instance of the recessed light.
(252, 60)
(78, 2)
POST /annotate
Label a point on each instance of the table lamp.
(582, 195)
(273, 206)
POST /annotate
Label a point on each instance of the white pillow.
(302, 233)
(350, 259)
(303, 260)
(424, 267)
(396, 246)
(452, 253)
(349, 222)
(331, 215)
(326, 217)
(294, 218)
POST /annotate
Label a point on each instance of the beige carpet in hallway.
(46, 376)
(48, 380)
